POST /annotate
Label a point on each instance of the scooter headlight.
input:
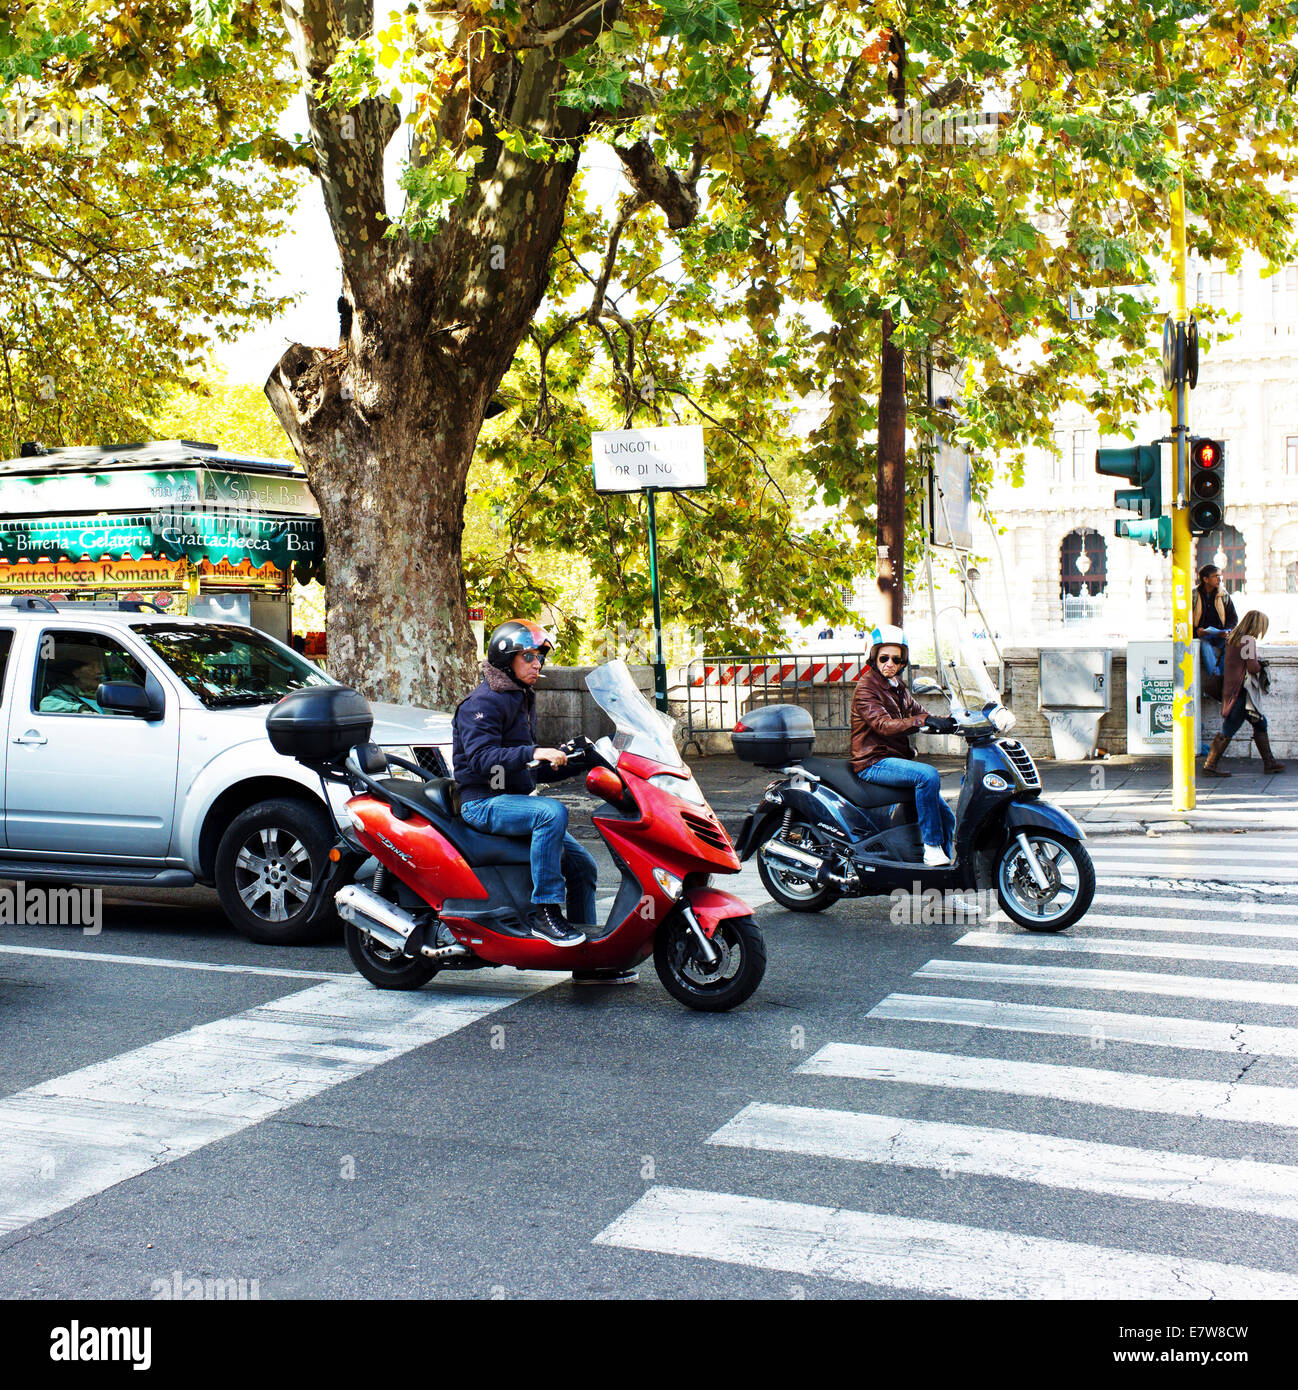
(668, 883)
(684, 787)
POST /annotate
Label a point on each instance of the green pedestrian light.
(1142, 466)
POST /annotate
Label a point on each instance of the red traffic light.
(1207, 484)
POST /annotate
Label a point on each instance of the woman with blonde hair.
(1243, 685)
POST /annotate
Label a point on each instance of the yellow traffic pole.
(1184, 675)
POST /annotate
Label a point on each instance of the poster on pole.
(950, 497)
(666, 458)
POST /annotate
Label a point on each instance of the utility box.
(1149, 697)
(1073, 693)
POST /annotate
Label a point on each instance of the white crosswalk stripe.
(1122, 981)
(931, 1257)
(1268, 1188)
(77, 1134)
(1121, 1090)
(1279, 959)
(902, 1250)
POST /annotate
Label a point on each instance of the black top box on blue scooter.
(320, 723)
(774, 735)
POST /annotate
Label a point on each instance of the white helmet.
(885, 635)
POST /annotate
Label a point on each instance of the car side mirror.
(925, 686)
(122, 697)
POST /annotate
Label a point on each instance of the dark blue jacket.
(494, 738)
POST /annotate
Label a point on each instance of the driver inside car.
(494, 740)
(884, 716)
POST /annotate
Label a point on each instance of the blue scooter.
(821, 834)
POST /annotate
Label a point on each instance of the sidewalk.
(1122, 795)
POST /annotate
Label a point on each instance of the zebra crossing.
(1209, 1061)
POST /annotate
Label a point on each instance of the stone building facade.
(1060, 571)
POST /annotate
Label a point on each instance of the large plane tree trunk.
(385, 423)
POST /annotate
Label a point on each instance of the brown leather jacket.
(1241, 660)
(883, 719)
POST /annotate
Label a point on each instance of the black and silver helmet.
(514, 636)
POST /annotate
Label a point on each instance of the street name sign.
(667, 458)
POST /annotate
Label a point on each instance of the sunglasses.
(892, 660)
(533, 657)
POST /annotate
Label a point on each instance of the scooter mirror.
(925, 686)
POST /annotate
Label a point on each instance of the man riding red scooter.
(495, 751)
(434, 893)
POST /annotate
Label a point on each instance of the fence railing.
(718, 689)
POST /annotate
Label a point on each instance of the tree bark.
(386, 423)
(890, 485)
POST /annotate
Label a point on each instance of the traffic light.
(1141, 464)
(1207, 484)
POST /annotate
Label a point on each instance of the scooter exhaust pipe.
(387, 923)
(817, 870)
(793, 858)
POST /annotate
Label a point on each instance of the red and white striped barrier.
(805, 670)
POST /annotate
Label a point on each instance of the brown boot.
(1263, 740)
(1210, 767)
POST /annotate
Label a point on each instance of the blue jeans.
(1238, 714)
(936, 819)
(560, 866)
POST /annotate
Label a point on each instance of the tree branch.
(349, 144)
(675, 193)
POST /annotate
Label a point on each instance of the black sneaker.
(549, 924)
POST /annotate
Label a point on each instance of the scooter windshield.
(962, 661)
(640, 728)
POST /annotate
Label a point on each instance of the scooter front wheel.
(382, 967)
(1070, 885)
(711, 988)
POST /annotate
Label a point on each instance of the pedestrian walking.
(1245, 684)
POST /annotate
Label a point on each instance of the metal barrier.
(719, 689)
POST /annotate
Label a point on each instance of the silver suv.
(136, 754)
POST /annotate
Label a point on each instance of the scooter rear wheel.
(711, 989)
(383, 968)
(797, 894)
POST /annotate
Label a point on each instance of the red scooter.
(432, 893)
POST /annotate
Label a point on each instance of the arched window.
(1082, 564)
(1224, 548)
(1291, 577)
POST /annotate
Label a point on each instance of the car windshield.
(640, 728)
(226, 665)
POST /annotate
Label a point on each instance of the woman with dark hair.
(1243, 683)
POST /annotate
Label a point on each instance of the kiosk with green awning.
(189, 526)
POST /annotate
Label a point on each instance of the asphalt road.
(847, 1133)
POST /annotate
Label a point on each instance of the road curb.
(1173, 827)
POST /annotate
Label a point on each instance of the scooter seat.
(430, 801)
(839, 777)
